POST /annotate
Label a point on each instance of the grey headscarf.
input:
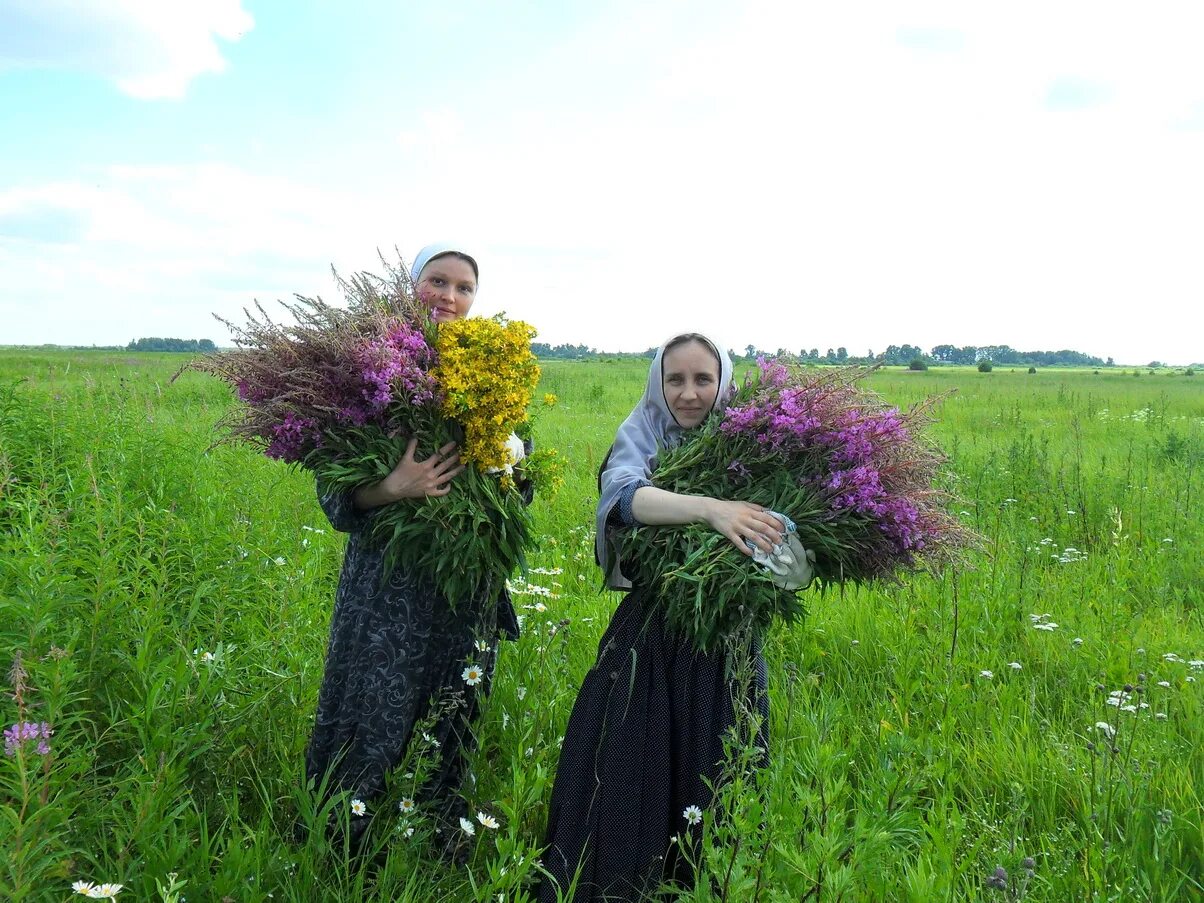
(647, 429)
(434, 250)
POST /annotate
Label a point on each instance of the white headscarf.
(434, 250)
(648, 428)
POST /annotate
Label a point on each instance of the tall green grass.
(164, 607)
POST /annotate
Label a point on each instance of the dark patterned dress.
(644, 738)
(397, 654)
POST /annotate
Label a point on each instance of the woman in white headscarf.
(645, 738)
(398, 652)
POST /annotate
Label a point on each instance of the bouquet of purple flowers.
(857, 476)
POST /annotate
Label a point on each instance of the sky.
(789, 175)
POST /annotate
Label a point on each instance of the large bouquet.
(342, 390)
(857, 477)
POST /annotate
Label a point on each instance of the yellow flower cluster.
(488, 376)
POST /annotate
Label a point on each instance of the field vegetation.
(1027, 728)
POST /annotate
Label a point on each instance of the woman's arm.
(737, 521)
(412, 479)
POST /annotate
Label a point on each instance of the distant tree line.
(967, 355)
(900, 355)
(157, 344)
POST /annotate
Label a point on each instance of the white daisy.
(692, 815)
(105, 891)
(358, 807)
(473, 675)
(406, 805)
(467, 827)
(487, 820)
(82, 887)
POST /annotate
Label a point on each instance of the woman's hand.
(737, 521)
(740, 521)
(412, 479)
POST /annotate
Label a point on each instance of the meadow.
(1029, 727)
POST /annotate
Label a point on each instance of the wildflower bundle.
(341, 391)
(858, 478)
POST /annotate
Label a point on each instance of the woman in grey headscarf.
(645, 737)
(398, 652)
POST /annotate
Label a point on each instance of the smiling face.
(691, 382)
(447, 286)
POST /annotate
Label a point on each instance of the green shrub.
(985, 366)
(918, 363)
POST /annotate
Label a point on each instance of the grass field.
(164, 608)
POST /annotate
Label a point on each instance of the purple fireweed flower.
(294, 438)
(737, 467)
(396, 367)
(251, 394)
(24, 731)
(773, 373)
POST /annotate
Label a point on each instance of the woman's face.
(447, 286)
(691, 382)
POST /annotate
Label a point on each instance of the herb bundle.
(859, 478)
(340, 392)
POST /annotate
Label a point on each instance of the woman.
(398, 652)
(646, 732)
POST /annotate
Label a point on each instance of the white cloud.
(151, 48)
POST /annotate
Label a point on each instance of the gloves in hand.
(791, 564)
(515, 452)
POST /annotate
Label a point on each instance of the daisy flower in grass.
(473, 675)
(358, 807)
(487, 820)
(82, 887)
(104, 891)
(467, 827)
(692, 815)
(406, 805)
